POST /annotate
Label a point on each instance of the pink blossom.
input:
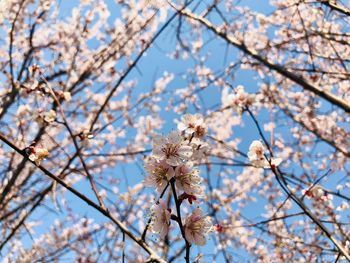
(238, 100)
(256, 155)
(161, 219)
(37, 154)
(188, 179)
(159, 173)
(197, 227)
(171, 148)
(193, 124)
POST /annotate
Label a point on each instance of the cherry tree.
(236, 149)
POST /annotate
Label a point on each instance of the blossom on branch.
(64, 95)
(197, 227)
(256, 155)
(37, 154)
(238, 100)
(193, 125)
(49, 116)
(187, 179)
(44, 118)
(159, 173)
(199, 148)
(161, 219)
(171, 148)
(316, 192)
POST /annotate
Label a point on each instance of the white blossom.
(161, 219)
(171, 148)
(197, 227)
(193, 124)
(49, 116)
(37, 154)
(256, 155)
(199, 148)
(159, 173)
(188, 179)
(237, 100)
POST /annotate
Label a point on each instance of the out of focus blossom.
(43, 118)
(237, 100)
(193, 124)
(159, 173)
(197, 227)
(22, 110)
(49, 116)
(256, 155)
(37, 154)
(64, 95)
(171, 148)
(85, 134)
(316, 192)
(199, 148)
(161, 219)
(343, 206)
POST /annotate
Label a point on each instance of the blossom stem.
(179, 221)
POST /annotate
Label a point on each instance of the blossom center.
(160, 173)
(200, 131)
(170, 150)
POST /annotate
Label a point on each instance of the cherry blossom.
(316, 192)
(44, 117)
(159, 173)
(193, 124)
(161, 218)
(256, 155)
(171, 148)
(188, 179)
(49, 116)
(199, 148)
(37, 154)
(197, 226)
(66, 95)
(237, 100)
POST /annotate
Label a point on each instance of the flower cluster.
(172, 163)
